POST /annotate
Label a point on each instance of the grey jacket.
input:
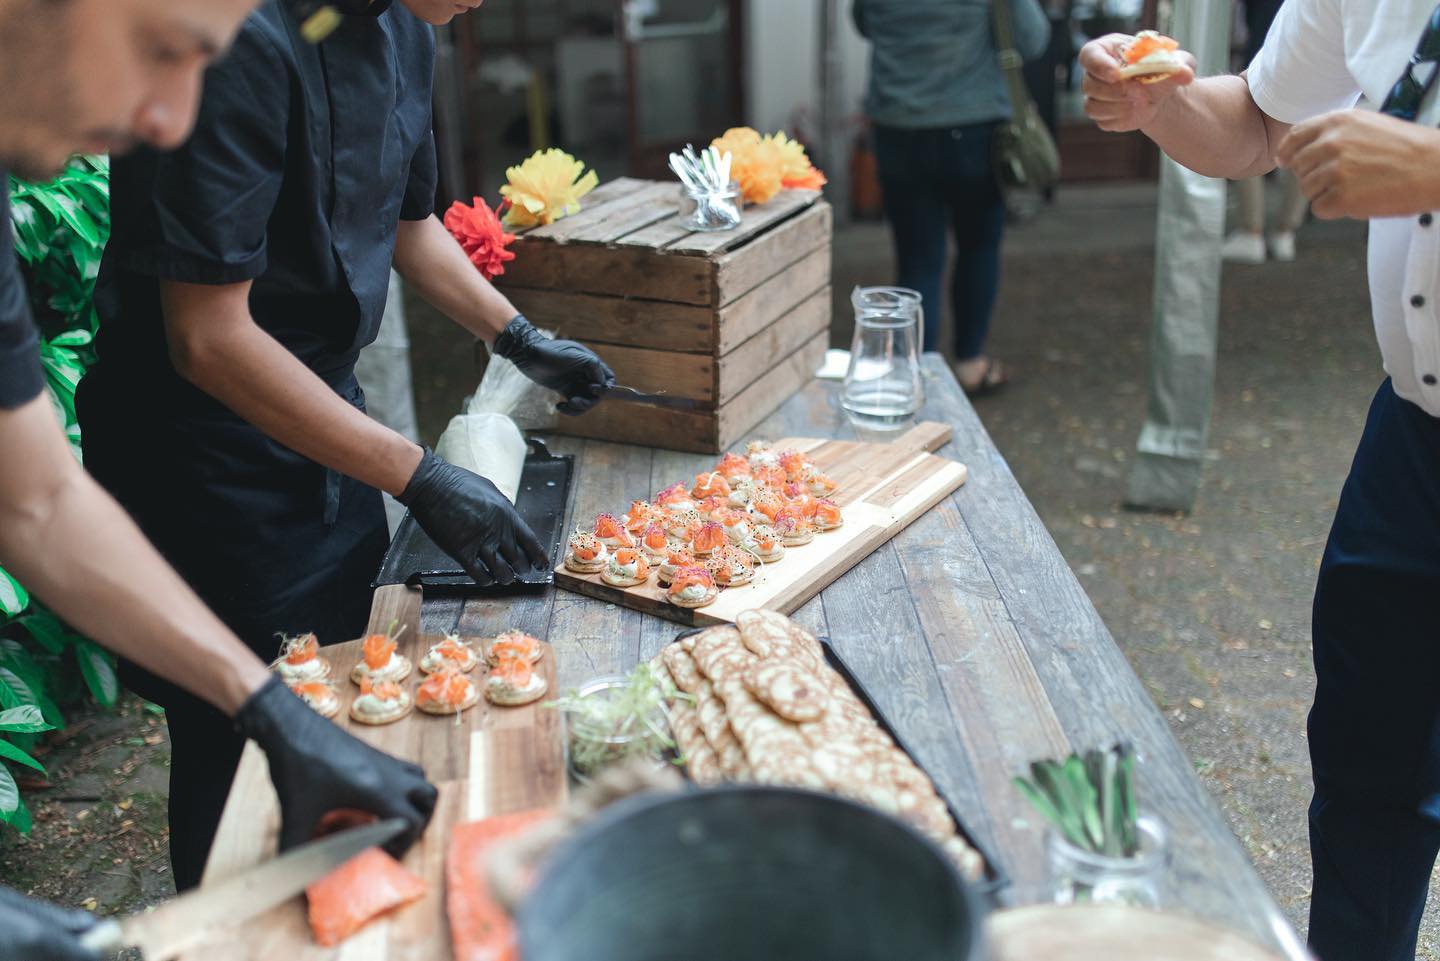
(933, 62)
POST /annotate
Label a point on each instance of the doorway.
(617, 83)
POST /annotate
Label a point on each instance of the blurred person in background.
(1248, 243)
(935, 96)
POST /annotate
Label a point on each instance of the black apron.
(303, 160)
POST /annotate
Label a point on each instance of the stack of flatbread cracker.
(765, 708)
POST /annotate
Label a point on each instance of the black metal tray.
(414, 559)
(995, 880)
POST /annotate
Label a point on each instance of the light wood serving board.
(883, 488)
(496, 760)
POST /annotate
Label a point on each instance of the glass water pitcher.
(883, 390)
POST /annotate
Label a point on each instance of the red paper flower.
(480, 233)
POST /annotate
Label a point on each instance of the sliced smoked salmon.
(368, 885)
(479, 926)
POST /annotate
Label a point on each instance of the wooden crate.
(735, 320)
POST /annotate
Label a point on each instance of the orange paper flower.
(480, 233)
(797, 171)
(763, 166)
(546, 187)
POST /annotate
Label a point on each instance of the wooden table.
(968, 628)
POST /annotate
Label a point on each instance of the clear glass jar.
(717, 209)
(883, 390)
(1080, 876)
(590, 748)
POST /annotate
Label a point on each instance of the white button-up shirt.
(1323, 55)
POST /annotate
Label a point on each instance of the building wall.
(782, 62)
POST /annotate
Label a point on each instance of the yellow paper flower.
(546, 187)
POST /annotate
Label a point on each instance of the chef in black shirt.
(245, 272)
(96, 75)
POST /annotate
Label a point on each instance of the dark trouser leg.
(977, 214)
(1376, 699)
(916, 212)
(204, 752)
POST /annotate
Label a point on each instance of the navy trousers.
(934, 182)
(1372, 730)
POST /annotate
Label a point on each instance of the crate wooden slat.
(703, 431)
(729, 319)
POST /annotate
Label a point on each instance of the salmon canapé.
(732, 467)
(710, 485)
(300, 660)
(692, 587)
(446, 692)
(627, 568)
(512, 681)
(513, 643)
(611, 532)
(707, 539)
(380, 660)
(584, 553)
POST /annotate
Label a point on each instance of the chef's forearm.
(436, 267)
(75, 549)
(217, 346)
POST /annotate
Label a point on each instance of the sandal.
(992, 378)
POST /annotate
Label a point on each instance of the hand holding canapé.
(1128, 79)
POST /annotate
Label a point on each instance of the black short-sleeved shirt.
(303, 160)
(21, 379)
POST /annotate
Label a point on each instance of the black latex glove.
(32, 930)
(318, 768)
(572, 369)
(468, 518)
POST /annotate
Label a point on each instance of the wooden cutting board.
(883, 488)
(494, 761)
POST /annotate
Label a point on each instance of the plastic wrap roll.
(488, 444)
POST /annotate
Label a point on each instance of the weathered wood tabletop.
(968, 628)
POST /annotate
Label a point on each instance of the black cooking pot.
(748, 873)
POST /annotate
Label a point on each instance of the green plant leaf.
(25, 719)
(13, 598)
(12, 753)
(19, 819)
(14, 692)
(72, 338)
(45, 629)
(98, 668)
(9, 795)
(76, 218)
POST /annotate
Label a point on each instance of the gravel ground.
(1211, 607)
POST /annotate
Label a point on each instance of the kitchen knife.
(657, 400)
(196, 915)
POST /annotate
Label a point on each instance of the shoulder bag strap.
(1003, 18)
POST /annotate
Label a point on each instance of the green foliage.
(60, 232)
(1090, 800)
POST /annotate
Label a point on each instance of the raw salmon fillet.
(368, 885)
(479, 927)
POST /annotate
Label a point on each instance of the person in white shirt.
(1335, 96)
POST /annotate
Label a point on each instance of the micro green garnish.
(616, 723)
